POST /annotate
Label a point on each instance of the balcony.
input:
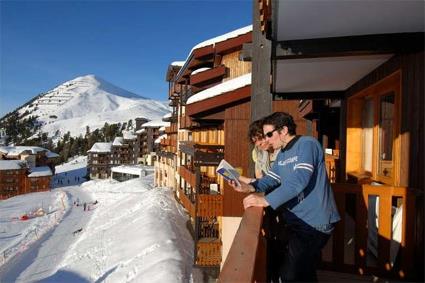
(209, 205)
(187, 175)
(354, 204)
(187, 202)
(185, 122)
(206, 77)
(208, 252)
(203, 154)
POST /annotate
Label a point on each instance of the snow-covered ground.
(129, 232)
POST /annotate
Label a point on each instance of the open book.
(228, 172)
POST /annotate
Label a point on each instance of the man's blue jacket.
(298, 185)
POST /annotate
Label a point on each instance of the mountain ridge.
(87, 101)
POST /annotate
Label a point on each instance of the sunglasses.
(270, 134)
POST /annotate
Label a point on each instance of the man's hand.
(243, 188)
(255, 200)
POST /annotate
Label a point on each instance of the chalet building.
(100, 160)
(211, 96)
(33, 155)
(25, 169)
(147, 135)
(12, 178)
(166, 164)
(359, 84)
(127, 172)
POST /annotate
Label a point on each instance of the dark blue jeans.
(301, 254)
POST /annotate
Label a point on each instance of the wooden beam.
(261, 69)
(349, 46)
(217, 101)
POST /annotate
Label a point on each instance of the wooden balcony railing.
(188, 175)
(208, 252)
(357, 203)
(187, 203)
(185, 122)
(210, 205)
(245, 264)
(246, 261)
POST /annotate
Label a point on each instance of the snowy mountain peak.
(89, 101)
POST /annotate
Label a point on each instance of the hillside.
(85, 101)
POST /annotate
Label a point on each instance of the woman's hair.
(281, 119)
(255, 130)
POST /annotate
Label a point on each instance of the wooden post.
(261, 99)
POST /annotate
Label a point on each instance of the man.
(298, 186)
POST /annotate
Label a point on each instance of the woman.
(263, 154)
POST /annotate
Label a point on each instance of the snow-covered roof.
(129, 169)
(223, 37)
(160, 138)
(216, 90)
(129, 135)
(11, 164)
(217, 39)
(200, 70)
(156, 124)
(52, 154)
(177, 63)
(168, 115)
(40, 171)
(140, 131)
(118, 141)
(101, 147)
(162, 129)
(16, 150)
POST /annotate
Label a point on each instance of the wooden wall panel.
(236, 68)
(236, 152)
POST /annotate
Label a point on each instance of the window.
(373, 132)
(386, 124)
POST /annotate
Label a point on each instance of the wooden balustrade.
(246, 261)
(208, 252)
(188, 176)
(353, 204)
(210, 205)
(185, 122)
(186, 202)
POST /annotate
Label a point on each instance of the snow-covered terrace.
(41, 171)
(225, 87)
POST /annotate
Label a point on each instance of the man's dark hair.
(255, 130)
(281, 119)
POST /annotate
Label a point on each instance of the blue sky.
(128, 43)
